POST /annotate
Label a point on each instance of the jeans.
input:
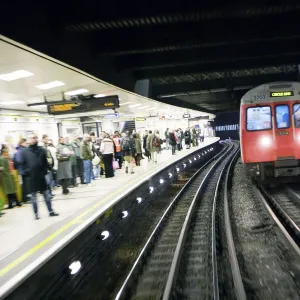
(46, 198)
(173, 149)
(167, 143)
(154, 156)
(97, 171)
(74, 175)
(87, 167)
(80, 172)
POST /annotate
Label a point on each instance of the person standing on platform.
(178, 140)
(18, 158)
(118, 150)
(64, 172)
(53, 152)
(167, 137)
(147, 153)
(128, 148)
(201, 135)
(87, 156)
(35, 166)
(73, 181)
(79, 161)
(153, 143)
(107, 150)
(172, 139)
(187, 138)
(138, 148)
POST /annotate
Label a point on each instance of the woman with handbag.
(64, 172)
(107, 151)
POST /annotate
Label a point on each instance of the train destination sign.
(282, 94)
(87, 104)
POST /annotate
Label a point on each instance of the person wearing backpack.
(153, 144)
(118, 150)
(128, 149)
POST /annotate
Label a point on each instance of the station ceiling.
(194, 54)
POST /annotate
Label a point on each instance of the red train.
(270, 131)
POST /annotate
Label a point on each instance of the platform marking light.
(139, 199)
(184, 165)
(75, 267)
(195, 158)
(151, 188)
(105, 235)
(170, 175)
(177, 169)
(124, 214)
(190, 161)
(161, 181)
(199, 155)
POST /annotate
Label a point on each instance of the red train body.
(270, 131)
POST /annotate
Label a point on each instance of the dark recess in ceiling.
(198, 54)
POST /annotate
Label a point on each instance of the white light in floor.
(151, 188)
(99, 96)
(124, 214)
(105, 235)
(50, 85)
(195, 158)
(184, 165)
(161, 181)
(15, 75)
(190, 161)
(205, 152)
(199, 155)
(170, 175)
(177, 169)
(12, 102)
(75, 267)
(139, 199)
(76, 92)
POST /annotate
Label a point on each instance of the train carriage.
(270, 131)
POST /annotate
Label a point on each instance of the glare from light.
(50, 85)
(190, 161)
(105, 235)
(15, 75)
(76, 92)
(151, 188)
(139, 199)
(266, 141)
(125, 103)
(12, 102)
(75, 267)
(177, 169)
(99, 96)
(134, 105)
(195, 158)
(124, 214)
(205, 152)
(170, 175)
(161, 181)
(184, 165)
(199, 155)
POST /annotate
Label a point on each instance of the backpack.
(156, 142)
(126, 145)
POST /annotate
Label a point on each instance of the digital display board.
(282, 94)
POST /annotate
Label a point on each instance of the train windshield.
(259, 118)
(296, 109)
(282, 116)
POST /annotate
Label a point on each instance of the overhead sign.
(282, 94)
(111, 115)
(139, 119)
(88, 103)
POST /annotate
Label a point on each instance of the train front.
(270, 131)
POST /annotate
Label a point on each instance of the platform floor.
(25, 242)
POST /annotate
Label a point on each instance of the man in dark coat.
(35, 167)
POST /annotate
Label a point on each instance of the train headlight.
(266, 141)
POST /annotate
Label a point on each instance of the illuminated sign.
(62, 107)
(282, 94)
(138, 119)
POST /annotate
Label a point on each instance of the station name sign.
(89, 103)
(282, 94)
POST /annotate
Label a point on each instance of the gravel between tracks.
(269, 269)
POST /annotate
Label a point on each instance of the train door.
(283, 132)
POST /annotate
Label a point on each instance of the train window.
(296, 110)
(259, 118)
(282, 116)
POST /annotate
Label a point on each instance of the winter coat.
(73, 157)
(6, 178)
(18, 157)
(138, 146)
(178, 135)
(172, 138)
(85, 151)
(35, 166)
(150, 146)
(131, 142)
(76, 147)
(145, 141)
(53, 152)
(187, 137)
(64, 167)
(107, 146)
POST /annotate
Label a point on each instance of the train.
(270, 131)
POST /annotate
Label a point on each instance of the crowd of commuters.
(41, 167)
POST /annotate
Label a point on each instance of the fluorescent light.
(42, 105)
(12, 102)
(135, 105)
(99, 96)
(76, 92)
(151, 108)
(50, 85)
(15, 75)
(143, 107)
(121, 104)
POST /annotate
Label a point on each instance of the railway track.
(179, 260)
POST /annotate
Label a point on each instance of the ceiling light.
(76, 92)
(50, 85)
(143, 107)
(151, 108)
(15, 75)
(121, 104)
(135, 105)
(12, 102)
(100, 96)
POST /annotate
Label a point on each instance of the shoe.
(90, 185)
(132, 172)
(53, 214)
(71, 186)
(37, 217)
(126, 170)
(19, 204)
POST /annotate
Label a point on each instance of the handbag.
(116, 165)
(96, 160)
